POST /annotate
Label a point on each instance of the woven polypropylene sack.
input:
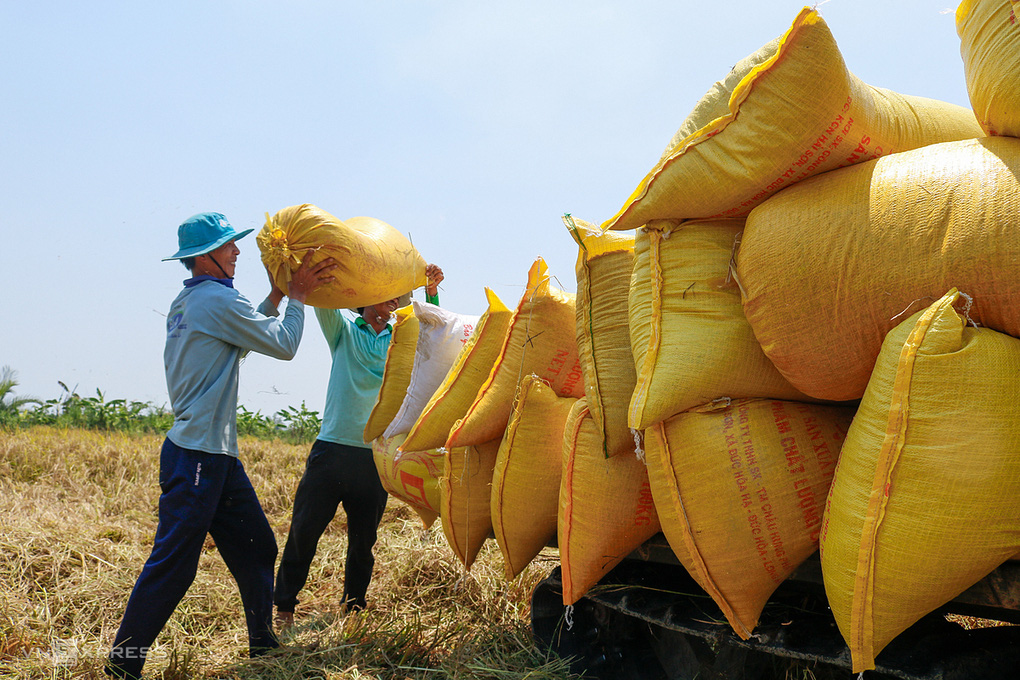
(606, 509)
(828, 267)
(526, 479)
(470, 369)
(541, 340)
(926, 497)
(605, 261)
(411, 476)
(375, 262)
(442, 335)
(691, 341)
(396, 373)
(740, 489)
(990, 46)
(465, 491)
(787, 112)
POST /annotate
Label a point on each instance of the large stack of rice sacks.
(798, 333)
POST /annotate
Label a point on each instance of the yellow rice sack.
(396, 372)
(375, 262)
(606, 509)
(828, 267)
(459, 388)
(604, 265)
(926, 498)
(691, 340)
(526, 479)
(787, 112)
(464, 498)
(740, 490)
(990, 46)
(412, 476)
(541, 340)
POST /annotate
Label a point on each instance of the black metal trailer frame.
(648, 619)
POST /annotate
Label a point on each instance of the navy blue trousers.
(202, 493)
(335, 474)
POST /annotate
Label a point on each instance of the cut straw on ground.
(77, 518)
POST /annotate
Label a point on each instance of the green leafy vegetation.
(10, 405)
(296, 425)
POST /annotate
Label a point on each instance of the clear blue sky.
(470, 126)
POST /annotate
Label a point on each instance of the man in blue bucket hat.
(205, 490)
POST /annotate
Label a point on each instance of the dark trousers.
(335, 474)
(202, 493)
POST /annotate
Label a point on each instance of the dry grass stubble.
(77, 516)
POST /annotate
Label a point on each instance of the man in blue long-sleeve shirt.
(204, 486)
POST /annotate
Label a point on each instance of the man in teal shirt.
(340, 468)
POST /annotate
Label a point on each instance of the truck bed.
(649, 615)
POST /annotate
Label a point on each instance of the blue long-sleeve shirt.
(209, 328)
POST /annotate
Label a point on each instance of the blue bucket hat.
(204, 233)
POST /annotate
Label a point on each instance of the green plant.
(11, 406)
(96, 413)
(254, 424)
(296, 425)
(301, 425)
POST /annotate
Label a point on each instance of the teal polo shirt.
(359, 359)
